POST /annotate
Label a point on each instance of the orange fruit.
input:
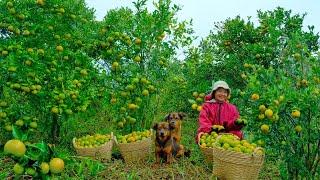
(44, 168)
(40, 2)
(298, 128)
(3, 103)
(137, 41)
(144, 80)
(295, 113)
(268, 113)
(55, 110)
(113, 100)
(137, 59)
(195, 94)
(199, 99)
(3, 114)
(59, 48)
(8, 127)
(132, 106)
(262, 108)
(120, 124)
(297, 56)
(9, 4)
(145, 92)
(115, 65)
(261, 116)
(33, 124)
(18, 169)
(68, 111)
(19, 122)
(194, 106)
(15, 147)
(255, 96)
(246, 65)
(56, 165)
(265, 128)
(84, 72)
(281, 98)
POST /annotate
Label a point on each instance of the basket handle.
(256, 150)
(74, 142)
(115, 140)
(199, 136)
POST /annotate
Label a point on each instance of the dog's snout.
(161, 132)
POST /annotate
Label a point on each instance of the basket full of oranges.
(97, 145)
(235, 158)
(135, 146)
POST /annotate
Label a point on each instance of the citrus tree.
(135, 48)
(283, 111)
(281, 100)
(45, 75)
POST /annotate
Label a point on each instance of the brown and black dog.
(175, 121)
(166, 146)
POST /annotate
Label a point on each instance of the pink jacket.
(215, 113)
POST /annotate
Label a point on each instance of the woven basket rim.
(116, 140)
(136, 142)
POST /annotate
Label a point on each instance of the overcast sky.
(205, 12)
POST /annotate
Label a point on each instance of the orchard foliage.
(59, 66)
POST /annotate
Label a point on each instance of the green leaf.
(191, 101)
(41, 146)
(38, 151)
(81, 166)
(16, 133)
(33, 155)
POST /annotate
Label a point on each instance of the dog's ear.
(167, 117)
(155, 126)
(182, 115)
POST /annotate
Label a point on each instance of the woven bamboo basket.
(236, 165)
(104, 151)
(135, 151)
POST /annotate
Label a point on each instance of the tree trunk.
(55, 130)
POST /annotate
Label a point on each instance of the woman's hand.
(217, 128)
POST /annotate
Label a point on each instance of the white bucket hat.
(222, 84)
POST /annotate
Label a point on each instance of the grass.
(193, 167)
